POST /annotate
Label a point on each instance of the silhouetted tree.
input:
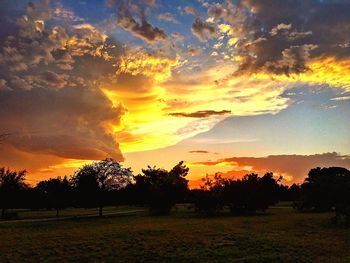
(269, 188)
(294, 193)
(324, 189)
(247, 195)
(289, 193)
(208, 199)
(140, 190)
(242, 195)
(54, 193)
(12, 186)
(162, 188)
(93, 182)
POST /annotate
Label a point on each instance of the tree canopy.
(94, 181)
(162, 188)
(12, 185)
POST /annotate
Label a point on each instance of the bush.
(207, 202)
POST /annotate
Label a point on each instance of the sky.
(230, 87)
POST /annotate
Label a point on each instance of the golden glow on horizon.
(218, 164)
(67, 164)
(162, 88)
(147, 124)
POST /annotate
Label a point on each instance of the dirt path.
(70, 217)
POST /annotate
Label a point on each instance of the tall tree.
(54, 193)
(162, 188)
(251, 193)
(12, 184)
(325, 188)
(93, 182)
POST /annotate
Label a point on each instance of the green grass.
(281, 235)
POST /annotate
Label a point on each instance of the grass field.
(69, 212)
(281, 235)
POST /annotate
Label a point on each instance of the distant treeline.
(107, 183)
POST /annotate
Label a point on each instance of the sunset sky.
(234, 86)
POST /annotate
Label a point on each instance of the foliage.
(93, 182)
(107, 183)
(324, 189)
(327, 189)
(208, 199)
(54, 193)
(247, 195)
(12, 186)
(161, 189)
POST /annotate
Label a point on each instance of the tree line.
(107, 183)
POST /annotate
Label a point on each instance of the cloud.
(203, 29)
(200, 28)
(198, 151)
(139, 62)
(143, 29)
(194, 51)
(200, 114)
(293, 167)
(67, 123)
(3, 85)
(50, 99)
(61, 13)
(283, 37)
(152, 3)
(177, 36)
(167, 17)
(190, 11)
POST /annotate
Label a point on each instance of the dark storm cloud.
(200, 28)
(203, 29)
(128, 12)
(67, 122)
(200, 114)
(50, 99)
(282, 36)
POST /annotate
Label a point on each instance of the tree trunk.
(57, 213)
(3, 210)
(100, 211)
